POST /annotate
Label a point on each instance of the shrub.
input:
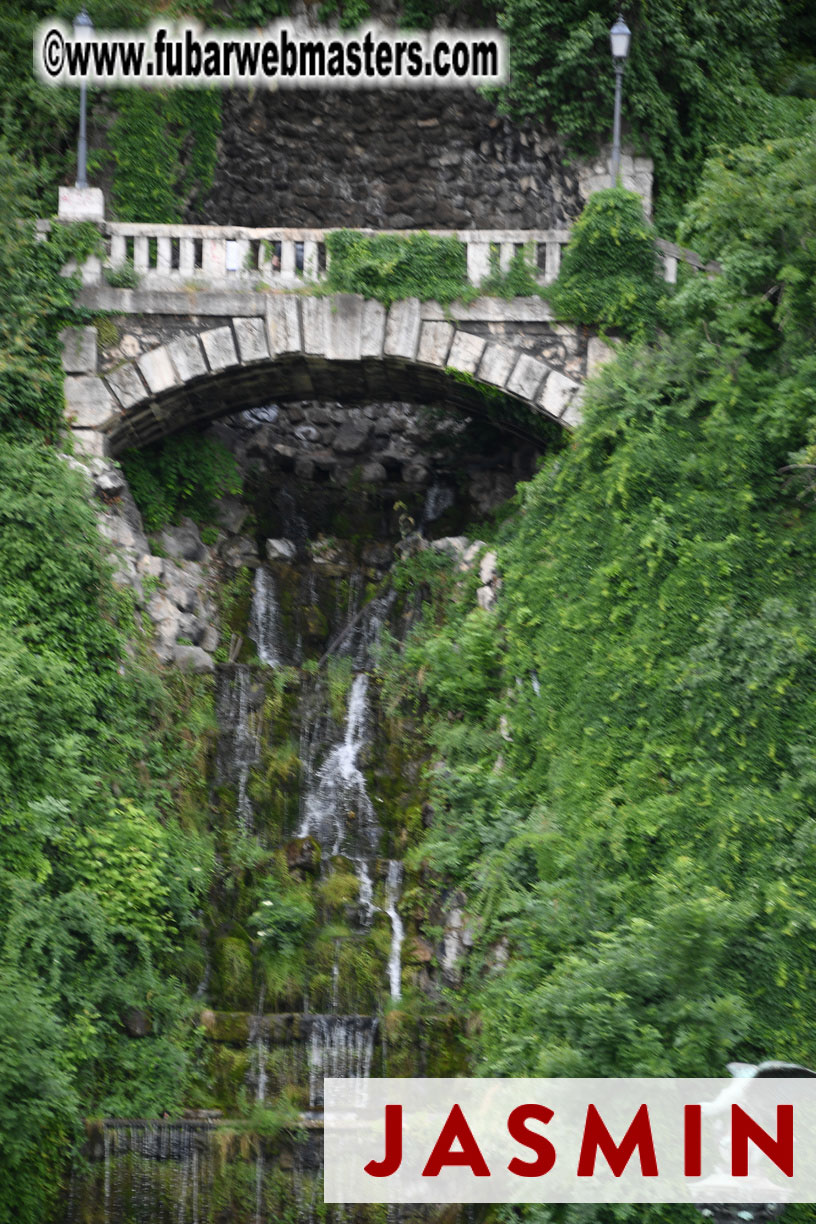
(608, 276)
(181, 475)
(389, 267)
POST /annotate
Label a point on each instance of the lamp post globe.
(619, 38)
(83, 28)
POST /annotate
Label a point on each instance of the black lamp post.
(83, 28)
(619, 37)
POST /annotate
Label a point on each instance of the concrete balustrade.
(198, 256)
(177, 256)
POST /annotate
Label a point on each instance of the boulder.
(485, 597)
(280, 550)
(240, 551)
(109, 484)
(487, 568)
(231, 514)
(193, 659)
(373, 473)
(184, 541)
(453, 546)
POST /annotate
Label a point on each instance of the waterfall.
(154, 1172)
(340, 1047)
(264, 627)
(259, 1044)
(439, 498)
(338, 812)
(239, 742)
(393, 886)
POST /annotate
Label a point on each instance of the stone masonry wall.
(396, 159)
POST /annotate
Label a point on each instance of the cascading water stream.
(259, 1044)
(339, 814)
(264, 619)
(393, 888)
(339, 1046)
(239, 742)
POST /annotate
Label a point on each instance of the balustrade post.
(310, 264)
(288, 268)
(186, 256)
(214, 258)
(141, 253)
(163, 260)
(552, 261)
(118, 251)
(478, 262)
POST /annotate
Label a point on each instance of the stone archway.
(297, 346)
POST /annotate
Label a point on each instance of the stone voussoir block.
(402, 329)
(314, 313)
(557, 394)
(527, 376)
(497, 362)
(372, 326)
(88, 402)
(466, 352)
(434, 343)
(344, 339)
(78, 350)
(126, 384)
(219, 347)
(251, 337)
(283, 325)
(188, 358)
(157, 370)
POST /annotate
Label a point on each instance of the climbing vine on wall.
(608, 277)
(389, 267)
(163, 146)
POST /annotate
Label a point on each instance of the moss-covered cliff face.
(317, 948)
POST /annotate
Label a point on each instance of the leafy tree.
(628, 805)
(698, 75)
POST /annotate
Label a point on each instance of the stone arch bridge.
(223, 321)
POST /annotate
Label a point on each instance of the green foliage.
(163, 146)
(623, 773)
(520, 279)
(99, 884)
(181, 475)
(608, 277)
(284, 920)
(697, 76)
(38, 302)
(338, 681)
(249, 13)
(347, 13)
(38, 1103)
(123, 277)
(389, 267)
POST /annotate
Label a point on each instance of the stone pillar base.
(81, 204)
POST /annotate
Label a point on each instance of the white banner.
(570, 1141)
